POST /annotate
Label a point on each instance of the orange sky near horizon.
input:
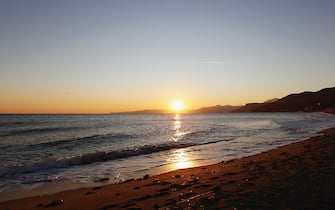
(39, 102)
(62, 101)
(88, 104)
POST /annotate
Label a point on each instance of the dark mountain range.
(320, 101)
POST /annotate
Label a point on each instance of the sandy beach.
(296, 176)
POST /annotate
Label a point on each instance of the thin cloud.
(212, 62)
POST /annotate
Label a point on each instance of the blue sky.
(104, 56)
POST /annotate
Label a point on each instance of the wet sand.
(296, 176)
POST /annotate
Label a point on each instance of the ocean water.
(46, 153)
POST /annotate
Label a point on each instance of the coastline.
(295, 176)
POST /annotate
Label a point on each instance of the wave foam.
(63, 162)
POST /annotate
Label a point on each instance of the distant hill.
(203, 110)
(146, 111)
(215, 109)
(272, 100)
(320, 101)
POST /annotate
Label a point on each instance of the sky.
(100, 56)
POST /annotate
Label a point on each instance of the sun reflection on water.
(177, 128)
(177, 122)
(179, 159)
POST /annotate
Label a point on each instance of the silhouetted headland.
(320, 101)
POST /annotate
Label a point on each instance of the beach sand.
(296, 176)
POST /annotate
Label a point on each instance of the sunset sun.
(177, 106)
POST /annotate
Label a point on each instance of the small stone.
(283, 153)
(39, 205)
(195, 180)
(156, 206)
(54, 203)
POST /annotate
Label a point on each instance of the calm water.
(42, 151)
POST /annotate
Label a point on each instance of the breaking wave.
(68, 161)
(88, 158)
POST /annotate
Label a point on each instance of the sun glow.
(177, 106)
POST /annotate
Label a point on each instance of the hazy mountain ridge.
(320, 101)
(215, 109)
(202, 110)
(147, 111)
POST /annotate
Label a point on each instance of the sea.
(42, 154)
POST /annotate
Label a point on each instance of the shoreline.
(297, 175)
